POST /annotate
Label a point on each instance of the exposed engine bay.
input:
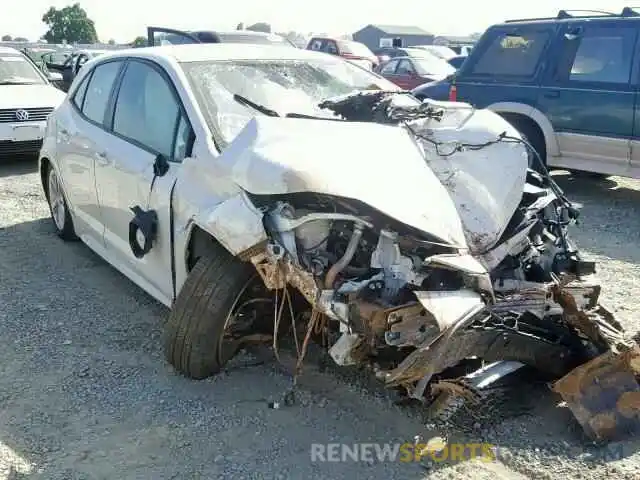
(413, 305)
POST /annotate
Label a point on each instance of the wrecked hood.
(379, 165)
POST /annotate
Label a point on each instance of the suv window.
(599, 54)
(99, 90)
(147, 111)
(512, 54)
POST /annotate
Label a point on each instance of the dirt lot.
(86, 394)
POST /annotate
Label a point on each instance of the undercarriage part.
(604, 394)
(482, 335)
(449, 395)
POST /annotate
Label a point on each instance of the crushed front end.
(414, 306)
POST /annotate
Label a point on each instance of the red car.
(355, 52)
(409, 72)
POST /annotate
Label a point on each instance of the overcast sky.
(123, 20)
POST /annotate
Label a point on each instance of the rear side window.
(512, 54)
(598, 55)
(99, 90)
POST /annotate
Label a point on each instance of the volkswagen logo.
(22, 115)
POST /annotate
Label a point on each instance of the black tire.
(199, 315)
(62, 223)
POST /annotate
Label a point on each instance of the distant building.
(376, 36)
(451, 40)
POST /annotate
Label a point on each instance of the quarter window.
(99, 90)
(512, 54)
(78, 97)
(602, 55)
(148, 112)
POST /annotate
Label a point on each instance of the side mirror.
(55, 77)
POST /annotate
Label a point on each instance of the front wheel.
(58, 206)
(214, 314)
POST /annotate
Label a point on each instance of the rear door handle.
(552, 94)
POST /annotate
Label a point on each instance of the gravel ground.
(86, 393)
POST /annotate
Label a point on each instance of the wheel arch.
(533, 115)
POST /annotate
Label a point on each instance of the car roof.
(564, 16)
(219, 51)
(9, 50)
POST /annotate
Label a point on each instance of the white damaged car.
(262, 191)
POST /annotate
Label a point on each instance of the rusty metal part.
(276, 275)
(491, 344)
(604, 394)
(597, 324)
(340, 265)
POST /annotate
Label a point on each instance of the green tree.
(139, 42)
(70, 23)
(20, 39)
(7, 38)
(112, 42)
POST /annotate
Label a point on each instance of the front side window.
(147, 110)
(16, 69)
(512, 54)
(602, 55)
(285, 86)
(99, 90)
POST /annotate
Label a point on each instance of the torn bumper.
(604, 394)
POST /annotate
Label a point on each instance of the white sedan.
(26, 100)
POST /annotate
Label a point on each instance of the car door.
(81, 141)
(148, 124)
(588, 96)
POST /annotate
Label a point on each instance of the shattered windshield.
(284, 86)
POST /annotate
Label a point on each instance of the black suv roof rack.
(564, 14)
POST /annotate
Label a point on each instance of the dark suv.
(569, 84)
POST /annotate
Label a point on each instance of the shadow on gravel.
(10, 167)
(609, 223)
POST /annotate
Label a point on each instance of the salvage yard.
(86, 393)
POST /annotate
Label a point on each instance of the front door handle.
(64, 135)
(103, 158)
(552, 94)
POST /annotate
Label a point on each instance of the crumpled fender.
(205, 197)
(236, 223)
